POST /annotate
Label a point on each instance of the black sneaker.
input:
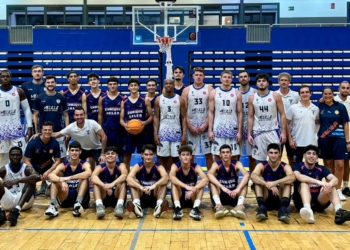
(178, 213)
(195, 214)
(2, 216)
(262, 213)
(346, 191)
(341, 216)
(13, 217)
(283, 215)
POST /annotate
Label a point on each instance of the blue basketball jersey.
(270, 175)
(32, 91)
(51, 108)
(72, 184)
(191, 178)
(148, 179)
(111, 112)
(135, 110)
(42, 154)
(179, 91)
(149, 127)
(228, 179)
(105, 176)
(73, 101)
(92, 105)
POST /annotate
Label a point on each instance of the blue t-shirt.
(73, 101)
(332, 119)
(42, 154)
(51, 108)
(318, 172)
(92, 105)
(111, 112)
(32, 91)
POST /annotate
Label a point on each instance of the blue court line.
(249, 239)
(242, 224)
(138, 230)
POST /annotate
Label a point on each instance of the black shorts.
(226, 200)
(41, 170)
(290, 151)
(94, 153)
(298, 154)
(148, 200)
(72, 197)
(272, 202)
(315, 205)
(110, 200)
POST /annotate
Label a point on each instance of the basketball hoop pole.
(169, 62)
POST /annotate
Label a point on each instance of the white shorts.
(246, 148)
(6, 145)
(63, 148)
(199, 143)
(10, 200)
(218, 142)
(168, 149)
(260, 143)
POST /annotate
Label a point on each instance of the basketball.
(134, 126)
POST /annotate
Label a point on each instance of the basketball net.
(165, 46)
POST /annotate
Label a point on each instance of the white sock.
(345, 184)
(19, 208)
(120, 202)
(98, 202)
(240, 200)
(196, 203)
(177, 204)
(159, 202)
(337, 207)
(136, 201)
(216, 199)
(306, 205)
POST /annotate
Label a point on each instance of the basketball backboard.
(179, 22)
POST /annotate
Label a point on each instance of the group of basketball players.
(220, 123)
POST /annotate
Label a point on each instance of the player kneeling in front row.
(109, 184)
(224, 187)
(70, 183)
(185, 191)
(17, 186)
(311, 193)
(147, 181)
(273, 181)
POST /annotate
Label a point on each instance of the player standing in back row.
(196, 97)
(93, 96)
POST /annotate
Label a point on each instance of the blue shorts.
(148, 200)
(114, 138)
(315, 205)
(133, 142)
(333, 148)
(72, 197)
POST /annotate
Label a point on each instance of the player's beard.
(262, 89)
(244, 83)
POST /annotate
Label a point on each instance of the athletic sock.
(98, 202)
(177, 204)
(240, 200)
(216, 199)
(79, 199)
(337, 207)
(19, 208)
(120, 202)
(196, 203)
(285, 202)
(159, 202)
(307, 205)
(261, 201)
(53, 202)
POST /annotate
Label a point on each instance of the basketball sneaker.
(195, 214)
(119, 211)
(238, 211)
(2, 216)
(100, 211)
(13, 217)
(346, 191)
(341, 216)
(178, 213)
(160, 209)
(134, 208)
(308, 215)
(341, 196)
(262, 213)
(221, 211)
(52, 211)
(77, 209)
(283, 215)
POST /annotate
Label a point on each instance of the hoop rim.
(165, 40)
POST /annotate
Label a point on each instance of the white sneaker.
(168, 185)
(77, 209)
(307, 215)
(51, 211)
(341, 196)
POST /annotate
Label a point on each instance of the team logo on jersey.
(219, 94)
(50, 151)
(13, 94)
(232, 95)
(175, 101)
(44, 88)
(204, 93)
(141, 105)
(269, 100)
(336, 112)
(37, 151)
(79, 99)
(58, 101)
(290, 101)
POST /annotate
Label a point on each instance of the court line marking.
(138, 230)
(249, 239)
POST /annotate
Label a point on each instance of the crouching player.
(311, 193)
(186, 191)
(70, 184)
(224, 187)
(109, 184)
(147, 181)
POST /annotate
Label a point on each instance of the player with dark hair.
(151, 95)
(69, 186)
(224, 187)
(17, 186)
(273, 180)
(109, 180)
(186, 191)
(147, 181)
(179, 74)
(134, 107)
(93, 96)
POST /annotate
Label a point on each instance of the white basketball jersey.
(225, 117)
(245, 99)
(10, 175)
(265, 113)
(10, 119)
(198, 105)
(169, 125)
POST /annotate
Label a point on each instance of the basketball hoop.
(165, 43)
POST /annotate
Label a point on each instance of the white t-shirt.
(302, 126)
(288, 100)
(86, 136)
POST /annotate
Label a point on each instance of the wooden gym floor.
(35, 231)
